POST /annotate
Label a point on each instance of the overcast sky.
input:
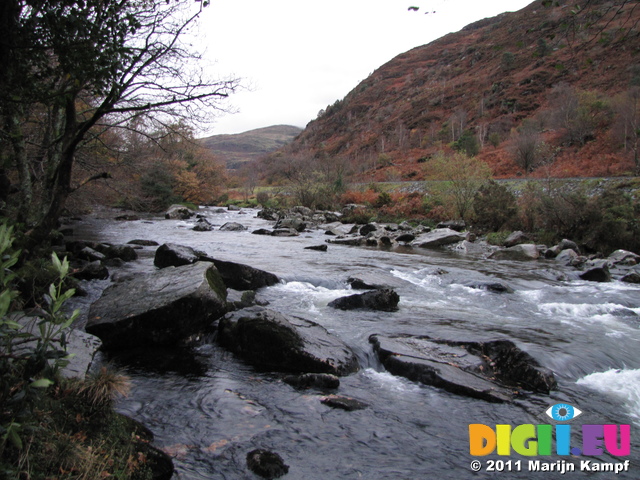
(298, 56)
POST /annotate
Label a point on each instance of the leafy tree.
(72, 70)
(462, 175)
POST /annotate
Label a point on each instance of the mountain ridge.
(487, 80)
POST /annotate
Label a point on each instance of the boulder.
(232, 227)
(631, 277)
(567, 256)
(491, 371)
(385, 300)
(596, 274)
(372, 280)
(438, 238)
(266, 464)
(243, 277)
(123, 252)
(173, 255)
(270, 340)
(405, 238)
(527, 251)
(90, 271)
(623, 257)
(160, 308)
(88, 253)
(516, 238)
(566, 244)
(178, 212)
(368, 228)
(457, 225)
(234, 208)
(202, 225)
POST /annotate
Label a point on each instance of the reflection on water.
(208, 409)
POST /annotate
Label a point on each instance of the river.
(209, 409)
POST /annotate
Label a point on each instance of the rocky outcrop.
(270, 340)
(438, 238)
(385, 300)
(160, 308)
(492, 371)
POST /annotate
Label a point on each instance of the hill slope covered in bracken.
(550, 90)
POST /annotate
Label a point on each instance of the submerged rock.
(344, 403)
(266, 464)
(316, 380)
(385, 300)
(271, 340)
(160, 308)
(486, 370)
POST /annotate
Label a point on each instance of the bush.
(495, 207)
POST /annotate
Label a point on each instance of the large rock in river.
(159, 308)
(438, 238)
(385, 300)
(491, 371)
(269, 340)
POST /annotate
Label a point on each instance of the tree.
(463, 176)
(73, 70)
(528, 149)
(627, 124)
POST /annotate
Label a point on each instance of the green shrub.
(495, 207)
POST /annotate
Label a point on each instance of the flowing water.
(209, 409)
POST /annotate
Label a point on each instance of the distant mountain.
(487, 81)
(236, 149)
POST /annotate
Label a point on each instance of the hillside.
(236, 149)
(490, 84)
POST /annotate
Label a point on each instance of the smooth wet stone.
(343, 403)
(272, 341)
(437, 238)
(160, 308)
(266, 464)
(385, 300)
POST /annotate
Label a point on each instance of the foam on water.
(624, 384)
(387, 381)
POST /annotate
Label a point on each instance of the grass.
(75, 434)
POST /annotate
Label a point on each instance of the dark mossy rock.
(385, 300)
(344, 403)
(270, 340)
(597, 274)
(159, 308)
(266, 464)
(493, 371)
